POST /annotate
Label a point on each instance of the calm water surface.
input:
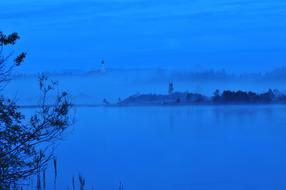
(176, 148)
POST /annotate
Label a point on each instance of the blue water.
(176, 148)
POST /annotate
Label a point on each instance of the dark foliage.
(27, 143)
(226, 97)
(5, 66)
(241, 97)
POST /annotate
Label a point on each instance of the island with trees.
(225, 97)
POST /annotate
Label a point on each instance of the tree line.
(224, 97)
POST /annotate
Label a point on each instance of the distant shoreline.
(127, 106)
(175, 99)
(226, 97)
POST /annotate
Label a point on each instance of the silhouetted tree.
(27, 143)
(249, 97)
(5, 67)
(267, 97)
(216, 97)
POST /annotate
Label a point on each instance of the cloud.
(113, 27)
(144, 10)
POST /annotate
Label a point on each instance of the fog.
(90, 88)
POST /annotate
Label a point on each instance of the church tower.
(171, 88)
(102, 69)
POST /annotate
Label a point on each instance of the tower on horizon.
(171, 88)
(102, 69)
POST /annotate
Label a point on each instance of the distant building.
(105, 101)
(171, 88)
(102, 69)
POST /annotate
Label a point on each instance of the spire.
(171, 88)
(102, 69)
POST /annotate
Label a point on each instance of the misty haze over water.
(91, 87)
(104, 51)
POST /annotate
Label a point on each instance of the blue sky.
(238, 35)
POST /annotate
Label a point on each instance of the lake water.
(176, 148)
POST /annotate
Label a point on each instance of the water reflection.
(200, 147)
